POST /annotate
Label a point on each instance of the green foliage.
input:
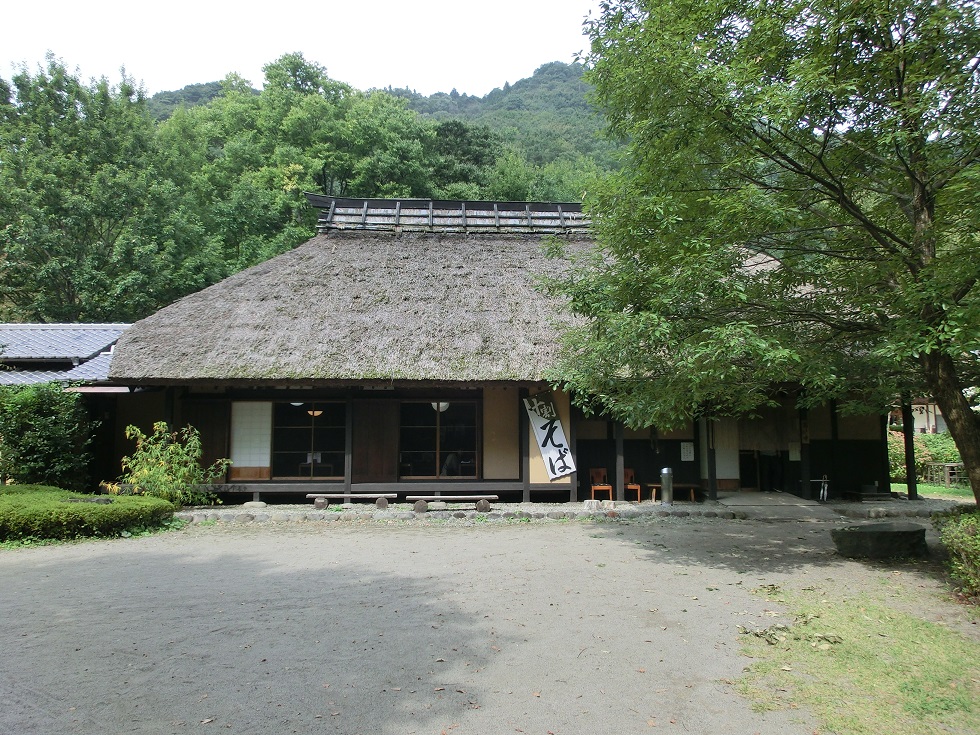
(546, 115)
(928, 448)
(93, 228)
(163, 104)
(45, 434)
(799, 206)
(167, 465)
(960, 533)
(112, 206)
(44, 512)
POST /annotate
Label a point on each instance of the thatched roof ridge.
(435, 215)
(360, 306)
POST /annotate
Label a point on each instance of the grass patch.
(864, 668)
(956, 492)
(31, 514)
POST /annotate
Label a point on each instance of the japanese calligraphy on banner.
(549, 436)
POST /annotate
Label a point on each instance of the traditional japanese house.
(404, 349)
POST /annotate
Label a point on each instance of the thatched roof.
(360, 305)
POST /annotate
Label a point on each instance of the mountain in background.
(546, 115)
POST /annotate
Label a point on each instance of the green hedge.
(45, 436)
(41, 512)
(960, 533)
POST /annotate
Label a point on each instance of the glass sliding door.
(308, 440)
(439, 440)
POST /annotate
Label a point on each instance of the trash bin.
(666, 486)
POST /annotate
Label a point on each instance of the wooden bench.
(422, 501)
(381, 499)
(679, 487)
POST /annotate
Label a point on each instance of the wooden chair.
(630, 483)
(600, 482)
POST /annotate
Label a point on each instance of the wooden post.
(573, 448)
(620, 464)
(712, 462)
(834, 473)
(806, 489)
(908, 434)
(348, 444)
(525, 438)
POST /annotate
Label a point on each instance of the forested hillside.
(546, 115)
(111, 207)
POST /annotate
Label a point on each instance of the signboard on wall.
(549, 435)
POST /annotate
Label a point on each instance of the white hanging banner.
(549, 436)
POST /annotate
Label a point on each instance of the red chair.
(630, 483)
(600, 482)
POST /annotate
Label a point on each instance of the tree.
(462, 155)
(45, 433)
(799, 206)
(90, 226)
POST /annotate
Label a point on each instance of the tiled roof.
(56, 342)
(95, 370)
(30, 377)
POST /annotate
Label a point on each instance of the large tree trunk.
(939, 371)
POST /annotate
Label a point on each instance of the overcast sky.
(427, 45)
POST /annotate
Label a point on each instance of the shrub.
(41, 512)
(928, 448)
(960, 533)
(44, 436)
(167, 465)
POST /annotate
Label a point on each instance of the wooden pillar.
(170, 407)
(806, 491)
(908, 432)
(712, 462)
(524, 434)
(348, 444)
(573, 448)
(699, 447)
(835, 486)
(620, 464)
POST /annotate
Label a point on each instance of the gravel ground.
(380, 625)
(742, 506)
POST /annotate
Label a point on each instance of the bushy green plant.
(960, 533)
(167, 464)
(45, 434)
(928, 448)
(43, 512)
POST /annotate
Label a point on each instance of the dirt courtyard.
(552, 627)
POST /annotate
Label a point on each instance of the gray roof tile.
(22, 342)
